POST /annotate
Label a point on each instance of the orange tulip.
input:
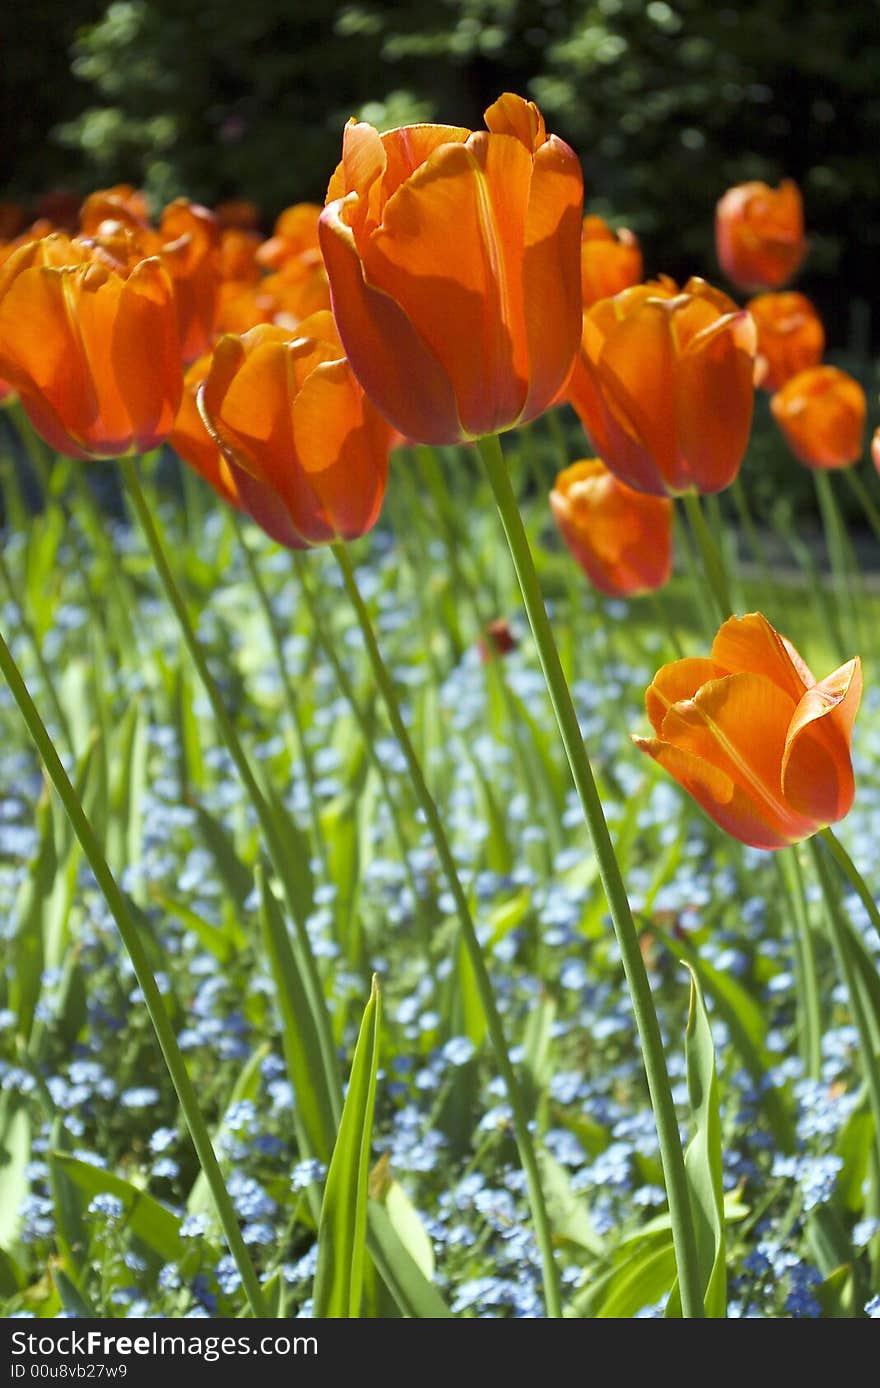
(663, 386)
(454, 267)
(622, 539)
(762, 747)
(187, 242)
(610, 261)
(237, 214)
(821, 413)
(498, 639)
(238, 262)
(90, 342)
(759, 234)
(299, 286)
(790, 337)
(300, 447)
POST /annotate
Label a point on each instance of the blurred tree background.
(667, 102)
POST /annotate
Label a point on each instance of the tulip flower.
(610, 261)
(300, 447)
(759, 234)
(453, 260)
(821, 413)
(790, 337)
(622, 539)
(751, 735)
(299, 284)
(498, 639)
(875, 449)
(237, 214)
(90, 342)
(187, 243)
(663, 386)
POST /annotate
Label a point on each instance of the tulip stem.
(851, 873)
(30, 633)
(713, 563)
(277, 850)
(284, 673)
(840, 557)
(680, 1211)
(325, 642)
(860, 492)
(131, 939)
(494, 1024)
(840, 932)
(755, 542)
(810, 1013)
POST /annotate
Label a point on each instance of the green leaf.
(702, 1160)
(837, 1295)
(72, 1298)
(416, 1297)
(408, 1225)
(27, 956)
(147, 1219)
(15, 1152)
(639, 1278)
(246, 1087)
(567, 1212)
(343, 1225)
(232, 872)
(747, 1025)
(300, 1032)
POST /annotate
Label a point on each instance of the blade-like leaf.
(703, 1161)
(315, 1105)
(342, 1230)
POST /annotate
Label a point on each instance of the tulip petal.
(146, 357)
(715, 792)
(636, 368)
(396, 367)
(513, 115)
(817, 775)
(714, 399)
(342, 451)
(678, 680)
(463, 293)
(40, 355)
(551, 272)
(751, 644)
(740, 723)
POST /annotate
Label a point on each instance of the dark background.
(667, 103)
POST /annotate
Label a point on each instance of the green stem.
(839, 931)
(852, 875)
(275, 846)
(289, 695)
(713, 564)
(325, 642)
(30, 633)
(624, 927)
(810, 1028)
(468, 930)
(146, 981)
(839, 554)
(860, 492)
(664, 618)
(755, 541)
(704, 602)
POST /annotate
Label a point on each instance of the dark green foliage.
(667, 103)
